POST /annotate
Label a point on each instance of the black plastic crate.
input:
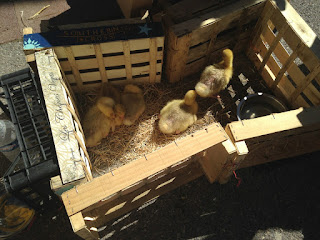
(37, 161)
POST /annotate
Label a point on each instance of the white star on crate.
(31, 44)
(145, 29)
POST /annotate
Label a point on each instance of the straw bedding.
(128, 143)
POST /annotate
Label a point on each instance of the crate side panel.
(99, 188)
(67, 146)
(280, 148)
(284, 123)
(143, 194)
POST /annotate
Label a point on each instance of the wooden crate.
(111, 195)
(191, 44)
(286, 52)
(91, 202)
(112, 51)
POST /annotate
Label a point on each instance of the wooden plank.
(61, 121)
(198, 52)
(280, 148)
(287, 64)
(313, 94)
(70, 78)
(60, 52)
(101, 187)
(282, 54)
(206, 20)
(261, 25)
(282, 27)
(82, 64)
(137, 198)
(90, 76)
(228, 22)
(284, 122)
(127, 57)
(139, 44)
(187, 9)
(116, 73)
(136, 71)
(195, 67)
(114, 61)
(74, 67)
(83, 50)
(81, 229)
(101, 63)
(214, 159)
(305, 83)
(160, 41)
(153, 59)
(111, 47)
(302, 29)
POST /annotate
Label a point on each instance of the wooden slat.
(146, 69)
(228, 14)
(139, 44)
(153, 59)
(313, 94)
(279, 122)
(82, 64)
(111, 47)
(282, 27)
(160, 41)
(283, 55)
(101, 187)
(114, 61)
(60, 52)
(74, 67)
(295, 73)
(101, 63)
(83, 50)
(71, 78)
(197, 52)
(90, 76)
(216, 25)
(195, 67)
(135, 199)
(297, 23)
(127, 57)
(61, 121)
(268, 74)
(116, 73)
(287, 64)
(305, 83)
(267, 12)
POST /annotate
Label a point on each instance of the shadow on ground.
(277, 195)
(278, 199)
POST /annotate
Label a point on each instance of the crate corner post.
(213, 159)
(81, 229)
